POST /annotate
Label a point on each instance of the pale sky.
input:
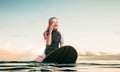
(88, 25)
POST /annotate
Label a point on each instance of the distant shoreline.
(101, 57)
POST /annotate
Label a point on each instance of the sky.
(87, 25)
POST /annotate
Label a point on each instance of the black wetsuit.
(56, 39)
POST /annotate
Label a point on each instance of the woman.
(52, 37)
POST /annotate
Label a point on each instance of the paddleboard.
(64, 55)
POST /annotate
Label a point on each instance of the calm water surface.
(80, 66)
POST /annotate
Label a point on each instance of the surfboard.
(64, 55)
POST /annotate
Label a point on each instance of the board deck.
(63, 55)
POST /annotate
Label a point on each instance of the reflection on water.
(80, 66)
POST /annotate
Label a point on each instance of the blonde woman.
(52, 37)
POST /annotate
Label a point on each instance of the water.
(80, 66)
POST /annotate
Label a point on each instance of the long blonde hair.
(49, 22)
(47, 29)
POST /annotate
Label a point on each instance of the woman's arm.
(61, 40)
(49, 39)
(61, 44)
(48, 42)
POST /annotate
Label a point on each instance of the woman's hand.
(49, 39)
(51, 28)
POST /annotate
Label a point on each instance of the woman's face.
(54, 23)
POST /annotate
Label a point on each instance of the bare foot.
(39, 59)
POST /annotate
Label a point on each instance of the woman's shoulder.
(59, 32)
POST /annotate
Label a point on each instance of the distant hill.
(100, 57)
(90, 53)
